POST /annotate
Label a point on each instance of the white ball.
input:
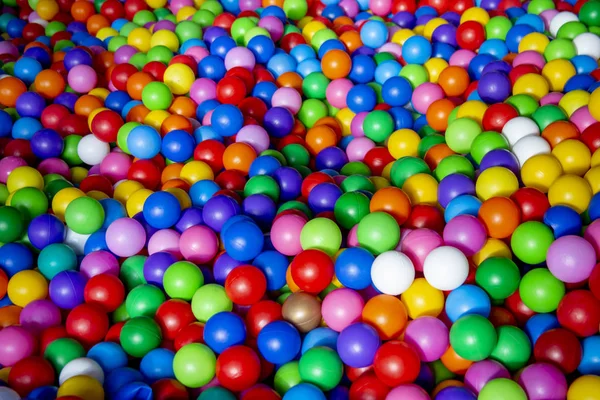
(8, 394)
(81, 366)
(519, 127)
(559, 20)
(392, 272)
(587, 44)
(91, 150)
(530, 146)
(446, 268)
(76, 241)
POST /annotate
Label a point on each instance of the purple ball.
(46, 143)
(66, 289)
(99, 262)
(489, 5)
(261, 208)
(466, 233)
(480, 373)
(452, 17)
(66, 99)
(322, 197)
(494, 87)
(30, 104)
(76, 57)
(500, 158)
(218, 210)
(357, 345)
(364, 50)
(290, 183)
(331, 158)
(543, 382)
(150, 230)
(223, 266)
(497, 66)
(76, 26)
(189, 217)
(455, 393)
(429, 337)
(39, 315)
(445, 34)
(155, 266)
(424, 19)
(164, 24)
(279, 122)
(404, 19)
(452, 186)
(213, 32)
(45, 230)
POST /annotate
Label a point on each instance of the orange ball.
(319, 138)
(393, 201)
(454, 362)
(49, 84)
(290, 79)
(176, 184)
(239, 156)
(183, 106)
(387, 314)
(136, 83)
(438, 113)
(97, 22)
(558, 131)
(290, 281)
(10, 90)
(86, 104)
(336, 64)
(331, 122)
(267, 3)
(171, 171)
(500, 216)
(351, 40)
(82, 10)
(436, 154)
(9, 315)
(176, 122)
(137, 114)
(454, 80)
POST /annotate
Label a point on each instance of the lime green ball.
(139, 335)
(120, 314)
(497, 28)
(138, 60)
(428, 142)
(524, 103)
(203, 18)
(144, 300)
(351, 208)
(321, 37)
(473, 337)
(182, 279)
(54, 27)
(84, 215)
(322, 367)
(132, 272)
(513, 348)
(31, 202)
(530, 242)
(262, 184)
(378, 232)
(541, 291)
(295, 9)
(123, 133)
(486, 142)
(156, 96)
(209, 300)
(311, 111)
(116, 42)
(571, 30)
(314, 86)
(502, 389)
(539, 6)
(239, 28)
(405, 167)
(378, 125)
(194, 365)
(416, 74)
(186, 30)
(454, 164)
(127, 28)
(560, 48)
(321, 234)
(355, 168)
(159, 53)
(461, 133)
(256, 31)
(498, 276)
(286, 377)
(62, 351)
(143, 17)
(213, 6)
(441, 372)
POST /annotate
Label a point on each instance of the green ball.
(11, 224)
(123, 133)
(355, 168)
(441, 372)
(55, 258)
(161, 54)
(497, 28)
(513, 348)
(54, 27)
(139, 335)
(194, 365)
(54, 187)
(405, 167)
(314, 86)
(84, 215)
(295, 9)
(157, 96)
(186, 30)
(378, 125)
(3, 194)
(545, 115)
(61, 351)
(321, 37)
(262, 184)
(428, 142)
(524, 103)
(203, 18)
(571, 30)
(132, 272)
(473, 337)
(138, 60)
(209, 300)
(486, 142)
(539, 6)
(127, 28)
(322, 367)
(239, 28)
(589, 14)
(453, 115)
(182, 279)
(296, 155)
(530, 242)
(416, 74)
(354, 183)
(69, 153)
(216, 393)
(144, 300)
(560, 48)
(143, 17)
(454, 164)
(502, 389)
(378, 232)
(350, 208)
(213, 6)
(120, 314)
(286, 377)
(461, 133)
(31, 202)
(321, 234)
(311, 111)
(541, 291)
(498, 276)
(295, 205)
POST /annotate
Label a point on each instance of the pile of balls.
(300, 199)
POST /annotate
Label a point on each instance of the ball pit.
(293, 199)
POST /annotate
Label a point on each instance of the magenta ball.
(82, 78)
(407, 392)
(39, 315)
(429, 336)
(125, 237)
(8, 164)
(418, 244)
(358, 148)
(285, 234)
(466, 233)
(198, 244)
(16, 343)
(426, 94)
(571, 259)
(337, 91)
(115, 166)
(592, 235)
(240, 57)
(203, 89)
(99, 262)
(342, 307)
(543, 382)
(480, 373)
(356, 126)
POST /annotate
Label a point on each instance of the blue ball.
(363, 69)
(494, 47)
(455, 393)
(478, 63)
(564, 220)
(157, 364)
(538, 324)
(274, 266)
(227, 120)
(353, 268)
(128, 106)
(301, 52)
(15, 257)
(134, 391)
(579, 82)
(403, 118)
(178, 146)
(76, 57)
(264, 165)
(374, 34)
(243, 241)
(264, 91)
(116, 100)
(532, 20)
(309, 66)
(113, 210)
(14, 28)
(202, 191)
(387, 70)
(281, 63)
(462, 205)
(515, 35)
(6, 124)
(30, 104)
(26, 69)
(96, 242)
(221, 45)
(144, 142)
(467, 300)
(25, 128)
(43, 393)
(261, 208)
(320, 337)
(416, 50)
(584, 64)
(331, 44)
(397, 91)
(590, 362)
(279, 342)
(161, 210)
(223, 330)
(212, 67)
(108, 355)
(119, 377)
(304, 391)
(442, 50)
(205, 107)
(203, 133)
(262, 47)
(45, 230)
(47, 143)
(275, 12)
(361, 98)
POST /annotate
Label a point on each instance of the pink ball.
(350, 7)
(358, 148)
(466, 233)
(7, 47)
(288, 98)
(426, 94)
(480, 373)
(198, 244)
(353, 237)
(529, 57)
(125, 237)
(99, 262)
(403, 234)
(380, 7)
(250, 5)
(165, 240)
(94, 170)
(197, 53)
(418, 244)
(54, 166)
(176, 5)
(392, 48)
(341, 308)
(285, 234)
(461, 58)
(337, 91)
(429, 337)
(273, 25)
(551, 98)
(39, 315)
(547, 17)
(206, 119)
(592, 235)
(407, 392)
(124, 53)
(254, 135)
(115, 166)
(543, 382)
(582, 118)
(240, 57)
(356, 126)
(8, 164)
(203, 89)
(82, 78)
(16, 343)
(571, 259)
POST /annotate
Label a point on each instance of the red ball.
(262, 74)
(521, 70)
(579, 312)
(594, 281)
(231, 90)
(516, 306)
(30, 373)
(224, 20)
(49, 335)
(231, 179)
(20, 148)
(97, 182)
(404, 5)
(253, 107)
(133, 6)
(355, 373)
(497, 115)
(560, 348)
(172, 316)
(245, 285)
(52, 115)
(106, 125)
(156, 69)
(312, 270)
(532, 202)
(396, 363)
(187, 60)
(470, 35)
(122, 72)
(32, 31)
(193, 333)
(105, 291)
(260, 392)
(425, 216)
(313, 180)
(377, 158)
(211, 152)
(591, 136)
(74, 124)
(260, 314)
(500, 316)
(291, 40)
(238, 368)
(146, 172)
(112, 10)
(88, 324)
(169, 389)
(368, 387)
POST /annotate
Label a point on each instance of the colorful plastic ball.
(508, 388)
(466, 233)
(144, 142)
(139, 336)
(577, 312)
(473, 337)
(357, 345)
(560, 348)
(541, 291)
(396, 264)
(452, 275)
(279, 342)
(16, 345)
(530, 242)
(125, 237)
(565, 253)
(25, 287)
(353, 268)
(45, 230)
(321, 234)
(467, 300)
(157, 364)
(108, 355)
(224, 330)
(428, 336)
(87, 323)
(81, 367)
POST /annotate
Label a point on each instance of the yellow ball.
(182, 197)
(106, 32)
(419, 29)
(311, 29)
(473, 109)
(574, 156)
(595, 159)
(135, 203)
(380, 182)
(434, 67)
(165, 38)
(432, 25)
(100, 93)
(78, 174)
(156, 3)
(402, 36)
(595, 104)
(572, 191)
(496, 181)
(492, 248)
(540, 172)
(558, 72)
(422, 299)
(421, 189)
(97, 195)
(532, 84)
(179, 78)
(155, 118)
(82, 386)
(47, 9)
(593, 178)
(403, 143)
(27, 286)
(185, 13)
(345, 117)
(4, 373)
(24, 176)
(125, 189)
(62, 199)
(585, 388)
(534, 41)
(475, 14)
(573, 101)
(140, 39)
(195, 171)
(387, 170)
(304, 21)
